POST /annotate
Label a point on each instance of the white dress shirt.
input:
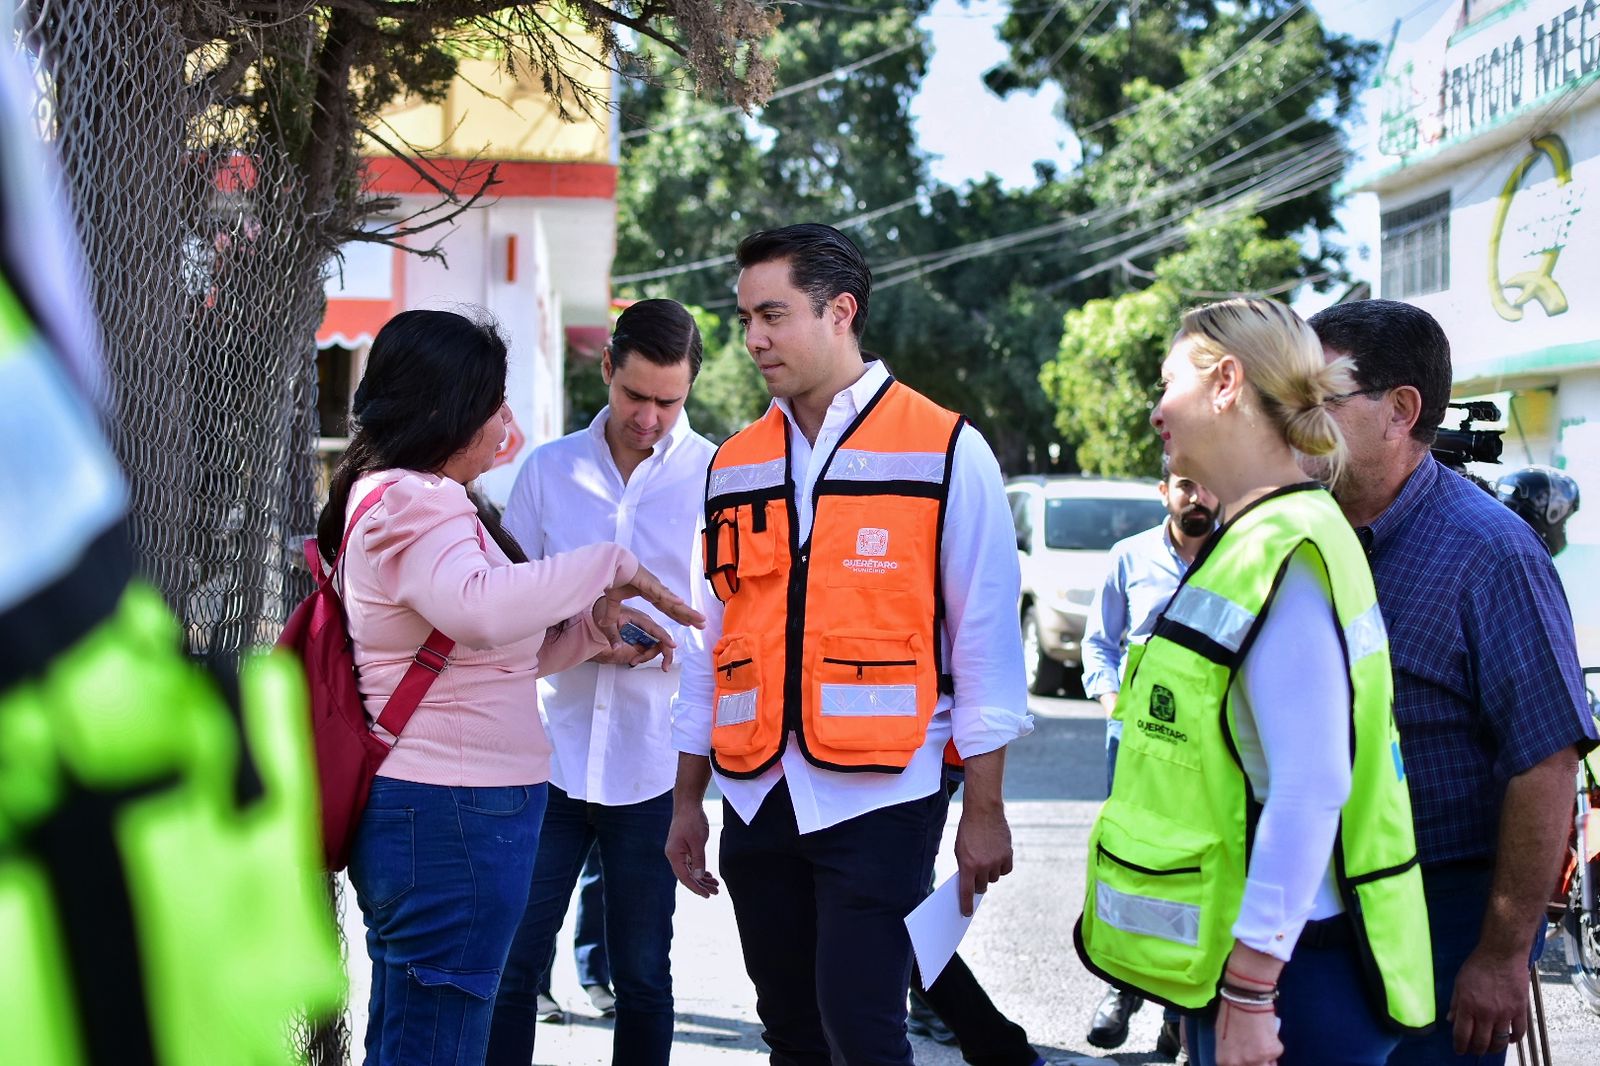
(610, 725)
(981, 638)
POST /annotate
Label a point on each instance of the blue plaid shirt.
(1486, 682)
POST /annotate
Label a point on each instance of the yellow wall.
(490, 113)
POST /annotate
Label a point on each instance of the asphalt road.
(1020, 944)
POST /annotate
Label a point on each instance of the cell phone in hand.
(636, 636)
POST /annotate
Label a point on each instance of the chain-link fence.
(206, 279)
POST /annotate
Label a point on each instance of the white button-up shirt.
(610, 726)
(981, 637)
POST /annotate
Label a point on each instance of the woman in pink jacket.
(444, 855)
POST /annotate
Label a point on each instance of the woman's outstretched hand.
(648, 587)
(609, 615)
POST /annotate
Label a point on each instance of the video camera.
(1457, 447)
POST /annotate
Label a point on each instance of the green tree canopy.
(970, 331)
(1104, 377)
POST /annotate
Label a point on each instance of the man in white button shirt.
(823, 864)
(634, 476)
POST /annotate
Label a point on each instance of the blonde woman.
(1255, 863)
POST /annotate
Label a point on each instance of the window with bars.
(1416, 248)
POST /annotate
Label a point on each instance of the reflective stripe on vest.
(1169, 851)
(835, 640)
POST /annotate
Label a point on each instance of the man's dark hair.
(1393, 344)
(822, 263)
(659, 330)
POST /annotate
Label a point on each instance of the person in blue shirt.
(1488, 694)
(1144, 573)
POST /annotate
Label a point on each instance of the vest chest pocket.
(736, 717)
(871, 691)
(742, 542)
(1153, 902)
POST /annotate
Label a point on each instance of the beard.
(1196, 522)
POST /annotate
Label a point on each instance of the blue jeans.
(589, 926)
(441, 876)
(1325, 1017)
(589, 931)
(1458, 897)
(641, 892)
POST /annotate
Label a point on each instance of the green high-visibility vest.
(161, 890)
(1169, 852)
(123, 838)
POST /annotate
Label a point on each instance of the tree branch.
(221, 80)
(601, 12)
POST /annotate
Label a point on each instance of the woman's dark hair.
(822, 263)
(659, 330)
(433, 379)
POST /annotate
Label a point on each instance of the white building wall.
(1504, 114)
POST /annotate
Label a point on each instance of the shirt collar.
(849, 402)
(1398, 514)
(662, 448)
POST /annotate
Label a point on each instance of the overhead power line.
(723, 260)
(1223, 169)
(788, 90)
(1172, 96)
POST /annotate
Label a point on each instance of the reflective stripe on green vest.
(120, 796)
(1169, 852)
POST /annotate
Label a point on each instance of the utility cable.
(788, 90)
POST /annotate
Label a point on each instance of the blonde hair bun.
(1283, 363)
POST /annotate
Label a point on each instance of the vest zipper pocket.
(1120, 861)
(870, 691)
(861, 665)
(735, 723)
(1152, 910)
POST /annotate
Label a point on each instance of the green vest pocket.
(1152, 901)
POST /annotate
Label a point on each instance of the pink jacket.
(415, 564)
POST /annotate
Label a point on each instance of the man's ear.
(842, 310)
(1405, 408)
(605, 365)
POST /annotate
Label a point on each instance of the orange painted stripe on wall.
(593, 181)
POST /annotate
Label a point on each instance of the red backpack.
(348, 751)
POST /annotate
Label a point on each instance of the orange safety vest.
(837, 639)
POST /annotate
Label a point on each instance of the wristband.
(1249, 982)
(1245, 997)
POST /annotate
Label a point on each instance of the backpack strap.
(430, 659)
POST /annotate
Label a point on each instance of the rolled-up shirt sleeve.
(982, 584)
(1104, 632)
(692, 706)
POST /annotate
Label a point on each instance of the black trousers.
(987, 1037)
(822, 925)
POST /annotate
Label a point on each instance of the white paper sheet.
(937, 926)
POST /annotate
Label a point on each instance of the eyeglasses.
(1345, 397)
